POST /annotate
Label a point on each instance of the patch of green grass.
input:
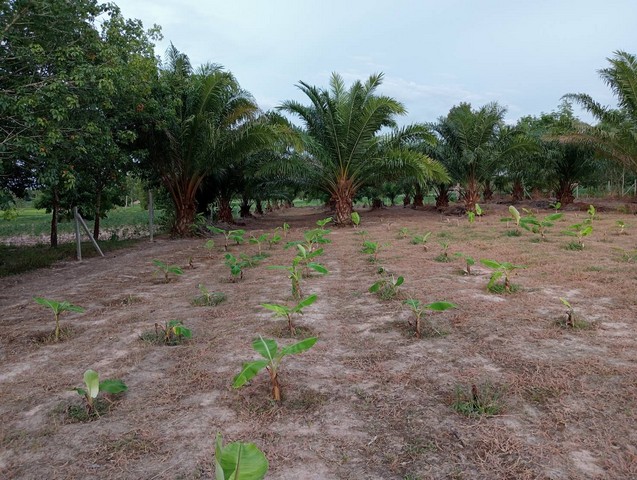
(513, 233)
(20, 259)
(499, 288)
(478, 400)
(574, 246)
(79, 413)
(444, 258)
(33, 222)
(594, 268)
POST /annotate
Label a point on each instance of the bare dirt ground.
(369, 401)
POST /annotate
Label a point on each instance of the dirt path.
(369, 401)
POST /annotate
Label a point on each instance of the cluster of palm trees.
(208, 143)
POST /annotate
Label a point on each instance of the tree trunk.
(244, 209)
(342, 198)
(518, 190)
(418, 197)
(289, 204)
(564, 193)
(406, 201)
(471, 195)
(225, 210)
(184, 219)
(96, 225)
(377, 203)
(442, 199)
(54, 218)
(487, 191)
(258, 207)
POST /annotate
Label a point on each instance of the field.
(369, 400)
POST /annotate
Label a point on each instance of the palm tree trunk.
(442, 199)
(487, 191)
(471, 195)
(406, 200)
(258, 207)
(343, 202)
(225, 210)
(418, 197)
(518, 190)
(244, 209)
(564, 193)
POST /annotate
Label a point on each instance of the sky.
(524, 54)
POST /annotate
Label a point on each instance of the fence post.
(151, 213)
(78, 240)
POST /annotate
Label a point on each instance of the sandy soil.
(369, 401)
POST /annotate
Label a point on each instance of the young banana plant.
(272, 355)
(419, 310)
(287, 312)
(94, 387)
(239, 461)
(167, 269)
(499, 270)
(58, 308)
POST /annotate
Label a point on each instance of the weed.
(621, 226)
(208, 298)
(419, 311)
(403, 232)
(235, 265)
(513, 233)
(259, 240)
(166, 270)
(229, 235)
(272, 355)
(571, 320)
(372, 249)
(574, 246)
(356, 219)
(58, 308)
(485, 400)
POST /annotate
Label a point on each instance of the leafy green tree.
(344, 144)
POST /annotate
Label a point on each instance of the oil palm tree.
(615, 136)
(351, 140)
(212, 123)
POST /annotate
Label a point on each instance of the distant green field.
(31, 221)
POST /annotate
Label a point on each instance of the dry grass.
(369, 400)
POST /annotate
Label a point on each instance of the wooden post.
(78, 239)
(151, 213)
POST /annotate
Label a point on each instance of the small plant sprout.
(208, 298)
(419, 311)
(236, 266)
(469, 261)
(272, 355)
(485, 400)
(472, 214)
(387, 288)
(444, 255)
(209, 245)
(58, 308)
(579, 230)
(190, 264)
(325, 221)
(275, 238)
(287, 312)
(259, 240)
(570, 314)
(621, 226)
(172, 333)
(356, 219)
(167, 269)
(500, 270)
(94, 387)
(302, 261)
(532, 224)
(591, 214)
(229, 235)
(372, 249)
(403, 232)
(239, 461)
(515, 216)
(286, 229)
(421, 240)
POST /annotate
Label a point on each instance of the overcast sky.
(434, 54)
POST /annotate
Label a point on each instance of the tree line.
(85, 104)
